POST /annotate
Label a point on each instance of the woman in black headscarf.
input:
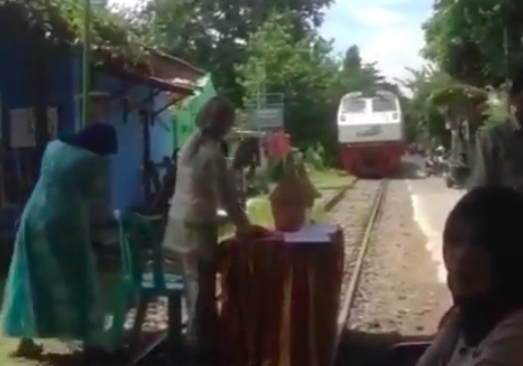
(483, 254)
(52, 290)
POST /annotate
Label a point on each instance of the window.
(350, 105)
(383, 104)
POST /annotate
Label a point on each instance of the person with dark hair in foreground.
(51, 290)
(483, 255)
(499, 149)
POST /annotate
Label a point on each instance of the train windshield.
(352, 105)
(384, 104)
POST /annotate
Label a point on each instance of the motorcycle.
(430, 167)
(441, 164)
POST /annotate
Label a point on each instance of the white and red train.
(370, 134)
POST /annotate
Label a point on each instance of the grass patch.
(259, 212)
(330, 178)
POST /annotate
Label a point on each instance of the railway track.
(355, 255)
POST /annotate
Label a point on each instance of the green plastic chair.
(127, 292)
(141, 244)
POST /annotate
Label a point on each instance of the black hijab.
(495, 215)
(99, 138)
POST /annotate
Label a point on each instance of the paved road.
(432, 201)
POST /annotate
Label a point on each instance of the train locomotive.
(370, 134)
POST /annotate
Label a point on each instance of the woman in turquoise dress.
(52, 290)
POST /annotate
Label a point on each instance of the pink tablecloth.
(281, 298)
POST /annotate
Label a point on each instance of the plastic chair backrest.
(126, 295)
(139, 234)
(132, 255)
(154, 239)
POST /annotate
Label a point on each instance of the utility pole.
(260, 88)
(507, 67)
(506, 54)
(86, 63)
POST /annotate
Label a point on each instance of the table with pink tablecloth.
(280, 297)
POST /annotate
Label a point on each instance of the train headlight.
(343, 118)
(395, 116)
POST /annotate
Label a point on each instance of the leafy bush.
(315, 157)
(61, 22)
(497, 110)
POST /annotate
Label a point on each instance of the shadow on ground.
(374, 349)
(411, 169)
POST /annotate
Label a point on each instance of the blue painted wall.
(162, 130)
(126, 165)
(17, 91)
(17, 81)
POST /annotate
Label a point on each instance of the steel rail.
(352, 286)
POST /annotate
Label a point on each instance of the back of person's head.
(216, 117)
(483, 244)
(100, 138)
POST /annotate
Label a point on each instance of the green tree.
(441, 104)
(423, 120)
(469, 39)
(303, 71)
(352, 59)
(243, 43)
(357, 75)
(214, 34)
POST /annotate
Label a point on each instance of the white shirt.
(203, 183)
(503, 346)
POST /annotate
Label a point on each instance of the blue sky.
(387, 31)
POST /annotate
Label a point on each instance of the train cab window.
(353, 105)
(383, 105)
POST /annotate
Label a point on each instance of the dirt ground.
(399, 297)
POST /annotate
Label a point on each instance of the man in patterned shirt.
(499, 149)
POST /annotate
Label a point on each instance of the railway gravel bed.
(352, 214)
(326, 196)
(398, 297)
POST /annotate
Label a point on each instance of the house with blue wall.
(129, 98)
(40, 81)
